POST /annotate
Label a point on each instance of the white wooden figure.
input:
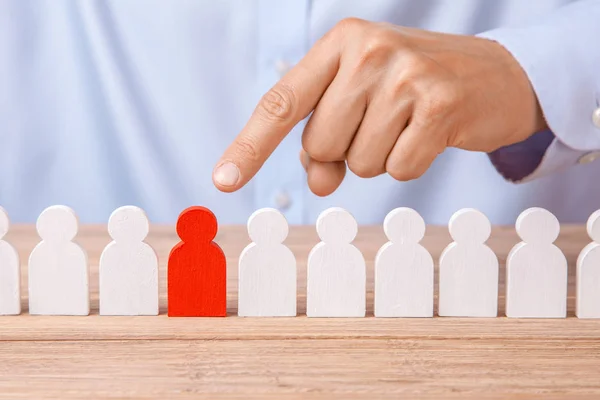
(58, 268)
(468, 282)
(336, 272)
(588, 272)
(10, 272)
(267, 268)
(536, 270)
(403, 268)
(128, 266)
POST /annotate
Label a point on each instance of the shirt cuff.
(518, 161)
(554, 51)
(555, 54)
(540, 155)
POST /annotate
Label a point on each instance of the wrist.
(526, 109)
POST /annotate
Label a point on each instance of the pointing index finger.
(288, 102)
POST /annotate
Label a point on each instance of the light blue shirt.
(114, 102)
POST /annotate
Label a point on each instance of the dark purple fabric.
(519, 160)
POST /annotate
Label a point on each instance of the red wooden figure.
(197, 272)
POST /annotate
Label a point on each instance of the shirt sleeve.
(560, 54)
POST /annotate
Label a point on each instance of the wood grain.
(287, 358)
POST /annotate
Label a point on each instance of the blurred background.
(115, 102)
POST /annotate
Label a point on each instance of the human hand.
(386, 99)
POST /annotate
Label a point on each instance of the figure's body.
(588, 272)
(536, 269)
(196, 281)
(468, 268)
(128, 267)
(267, 269)
(336, 271)
(10, 272)
(58, 268)
(403, 268)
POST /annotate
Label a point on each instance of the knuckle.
(247, 148)
(415, 62)
(405, 170)
(377, 48)
(348, 25)
(402, 87)
(363, 169)
(415, 71)
(278, 104)
(441, 100)
(322, 153)
(319, 147)
(405, 174)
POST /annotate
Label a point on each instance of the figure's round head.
(404, 225)
(593, 226)
(537, 226)
(128, 224)
(4, 222)
(469, 226)
(57, 224)
(336, 226)
(267, 225)
(197, 224)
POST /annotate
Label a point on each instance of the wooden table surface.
(180, 358)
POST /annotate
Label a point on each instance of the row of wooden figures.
(336, 275)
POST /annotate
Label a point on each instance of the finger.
(336, 118)
(325, 177)
(416, 148)
(304, 159)
(385, 118)
(280, 109)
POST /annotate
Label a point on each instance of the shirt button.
(589, 157)
(283, 201)
(282, 67)
(596, 117)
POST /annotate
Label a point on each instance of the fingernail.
(228, 174)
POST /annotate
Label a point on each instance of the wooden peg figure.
(588, 272)
(196, 282)
(58, 267)
(267, 268)
(468, 284)
(403, 268)
(336, 276)
(128, 269)
(10, 272)
(536, 270)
